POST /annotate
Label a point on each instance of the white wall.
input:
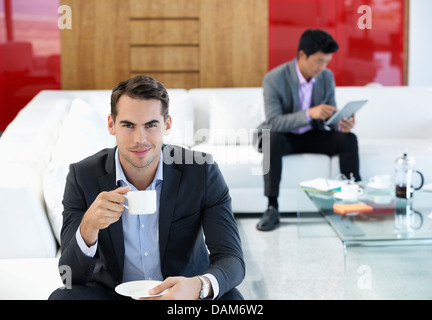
(420, 43)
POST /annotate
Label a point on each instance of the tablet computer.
(347, 111)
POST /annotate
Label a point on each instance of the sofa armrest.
(24, 228)
(28, 279)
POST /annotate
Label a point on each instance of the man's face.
(312, 66)
(139, 129)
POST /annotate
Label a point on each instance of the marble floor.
(282, 264)
(305, 260)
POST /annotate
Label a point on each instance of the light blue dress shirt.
(305, 96)
(141, 233)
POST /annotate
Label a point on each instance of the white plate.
(376, 186)
(344, 196)
(138, 289)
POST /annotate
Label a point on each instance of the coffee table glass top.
(393, 220)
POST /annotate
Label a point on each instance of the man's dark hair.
(314, 40)
(141, 87)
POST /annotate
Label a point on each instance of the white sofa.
(60, 127)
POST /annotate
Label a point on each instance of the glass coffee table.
(393, 221)
(387, 252)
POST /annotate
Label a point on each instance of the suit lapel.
(114, 232)
(168, 196)
(293, 84)
(317, 92)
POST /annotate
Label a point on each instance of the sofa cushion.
(181, 111)
(234, 115)
(391, 112)
(84, 132)
(34, 131)
(25, 231)
(28, 149)
(242, 169)
(242, 166)
(378, 156)
(225, 103)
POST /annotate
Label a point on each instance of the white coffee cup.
(351, 190)
(141, 202)
(381, 181)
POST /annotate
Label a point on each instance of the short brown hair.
(141, 87)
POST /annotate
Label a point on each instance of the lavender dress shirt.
(305, 96)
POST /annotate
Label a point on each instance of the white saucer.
(344, 196)
(139, 289)
(378, 186)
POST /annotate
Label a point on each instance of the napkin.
(351, 207)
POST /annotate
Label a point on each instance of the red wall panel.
(365, 55)
(29, 53)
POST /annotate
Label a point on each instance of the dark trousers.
(94, 291)
(314, 141)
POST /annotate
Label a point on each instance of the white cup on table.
(351, 190)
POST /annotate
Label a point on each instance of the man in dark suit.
(298, 97)
(191, 243)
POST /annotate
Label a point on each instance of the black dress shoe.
(269, 220)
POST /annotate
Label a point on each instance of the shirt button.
(142, 226)
(146, 254)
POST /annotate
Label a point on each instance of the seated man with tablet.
(299, 97)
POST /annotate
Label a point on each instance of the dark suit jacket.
(281, 99)
(194, 198)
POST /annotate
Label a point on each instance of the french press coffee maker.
(404, 178)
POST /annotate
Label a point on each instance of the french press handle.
(421, 180)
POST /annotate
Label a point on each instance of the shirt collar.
(121, 178)
(302, 79)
